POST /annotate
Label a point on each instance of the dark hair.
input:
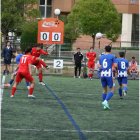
(108, 48)
(122, 54)
(91, 47)
(78, 48)
(133, 57)
(27, 50)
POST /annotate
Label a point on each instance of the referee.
(78, 57)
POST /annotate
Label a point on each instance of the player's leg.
(13, 75)
(75, 71)
(124, 84)
(30, 79)
(41, 62)
(110, 93)
(8, 68)
(104, 94)
(14, 89)
(40, 76)
(120, 87)
(18, 79)
(27, 84)
(79, 67)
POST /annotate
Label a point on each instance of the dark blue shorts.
(7, 61)
(107, 81)
(122, 80)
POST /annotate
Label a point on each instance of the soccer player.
(18, 55)
(36, 52)
(91, 56)
(24, 71)
(122, 66)
(106, 62)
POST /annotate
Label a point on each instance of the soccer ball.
(99, 35)
(57, 12)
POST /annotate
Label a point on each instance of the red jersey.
(24, 63)
(91, 56)
(37, 53)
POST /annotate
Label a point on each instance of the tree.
(14, 13)
(92, 16)
(29, 35)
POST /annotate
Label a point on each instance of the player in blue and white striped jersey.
(122, 66)
(106, 62)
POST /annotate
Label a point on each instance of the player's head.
(37, 46)
(91, 49)
(8, 43)
(122, 54)
(108, 49)
(28, 50)
(78, 49)
(133, 57)
(19, 51)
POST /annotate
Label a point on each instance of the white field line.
(1, 90)
(74, 131)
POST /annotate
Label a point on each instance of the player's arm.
(43, 52)
(95, 58)
(87, 56)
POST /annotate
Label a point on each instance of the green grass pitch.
(43, 118)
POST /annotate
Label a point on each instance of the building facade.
(129, 10)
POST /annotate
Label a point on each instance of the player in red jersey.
(91, 56)
(36, 52)
(24, 71)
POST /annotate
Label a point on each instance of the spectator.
(78, 57)
(7, 54)
(133, 68)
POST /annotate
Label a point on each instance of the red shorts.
(91, 65)
(21, 75)
(37, 64)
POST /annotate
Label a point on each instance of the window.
(45, 7)
(135, 30)
(133, 1)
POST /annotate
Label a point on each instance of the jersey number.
(23, 59)
(122, 65)
(104, 63)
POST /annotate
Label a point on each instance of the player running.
(18, 55)
(106, 62)
(24, 71)
(36, 52)
(91, 56)
(122, 66)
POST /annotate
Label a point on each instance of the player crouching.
(122, 66)
(24, 71)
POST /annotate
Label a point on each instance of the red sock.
(40, 76)
(43, 63)
(31, 91)
(13, 90)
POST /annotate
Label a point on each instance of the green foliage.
(29, 35)
(92, 16)
(14, 14)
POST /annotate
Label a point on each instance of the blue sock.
(125, 88)
(109, 95)
(103, 96)
(120, 92)
(11, 81)
(27, 83)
